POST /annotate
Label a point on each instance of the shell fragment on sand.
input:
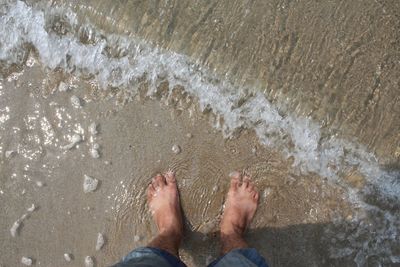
(89, 261)
(17, 224)
(75, 101)
(10, 153)
(94, 151)
(14, 228)
(67, 257)
(93, 128)
(63, 87)
(89, 184)
(26, 261)
(75, 139)
(100, 241)
(31, 208)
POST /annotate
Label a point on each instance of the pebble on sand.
(67, 257)
(136, 238)
(94, 151)
(75, 101)
(26, 261)
(176, 149)
(93, 128)
(100, 241)
(39, 183)
(89, 261)
(89, 184)
(75, 139)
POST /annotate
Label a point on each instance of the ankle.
(171, 232)
(232, 229)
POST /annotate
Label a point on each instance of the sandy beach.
(96, 98)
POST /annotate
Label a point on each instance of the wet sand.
(135, 141)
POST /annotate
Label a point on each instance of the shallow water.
(305, 97)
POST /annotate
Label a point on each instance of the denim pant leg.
(245, 257)
(150, 257)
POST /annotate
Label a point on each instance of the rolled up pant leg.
(150, 257)
(246, 257)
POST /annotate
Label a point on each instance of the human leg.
(162, 251)
(163, 201)
(240, 207)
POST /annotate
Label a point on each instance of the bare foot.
(240, 206)
(163, 201)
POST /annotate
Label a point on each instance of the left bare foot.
(163, 201)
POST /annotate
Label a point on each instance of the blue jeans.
(154, 257)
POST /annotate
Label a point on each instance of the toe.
(158, 181)
(246, 181)
(150, 192)
(170, 177)
(251, 187)
(235, 179)
(256, 196)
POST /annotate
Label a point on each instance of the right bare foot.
(240, 206)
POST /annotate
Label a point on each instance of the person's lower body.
(163, 250)
(152, 257)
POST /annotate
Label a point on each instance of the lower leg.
(240, 207)
(232, 241)
(163, 201)
(169, 242)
